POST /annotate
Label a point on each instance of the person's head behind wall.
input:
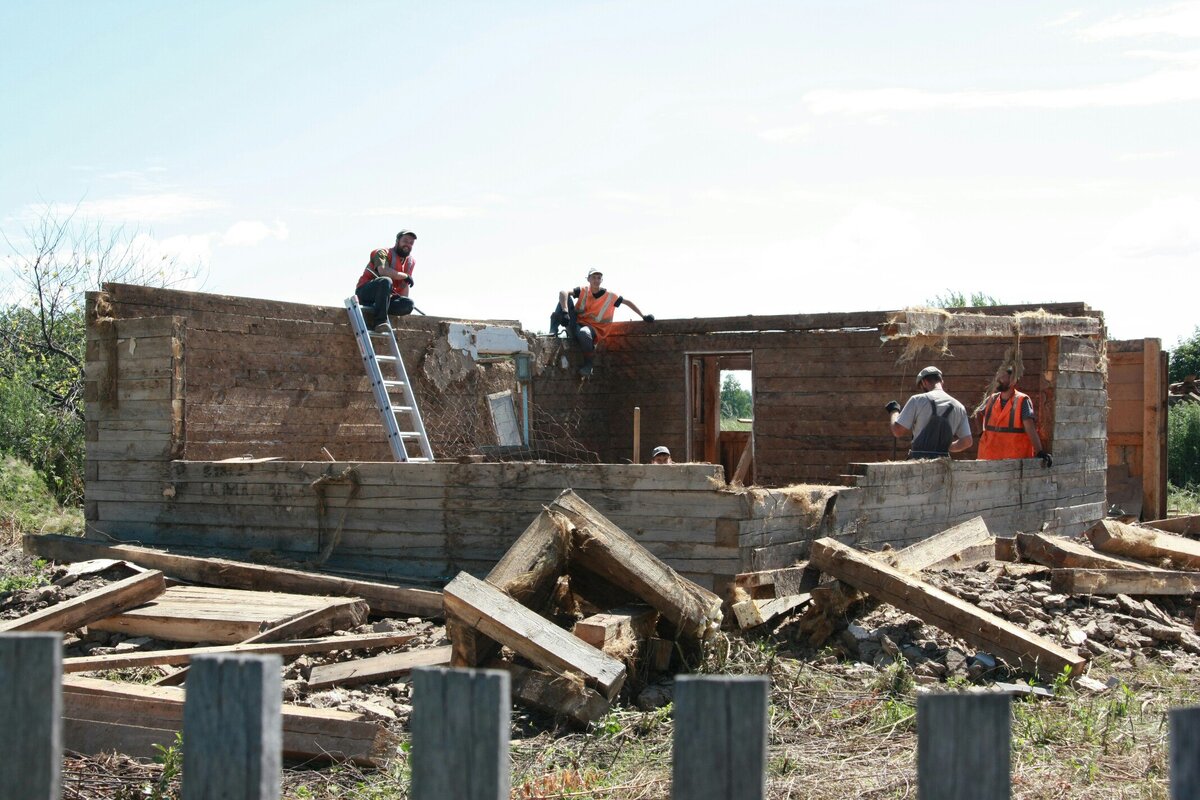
(928, 378)
(595, 277)
(661, 455)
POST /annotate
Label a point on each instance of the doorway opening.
(721, 412)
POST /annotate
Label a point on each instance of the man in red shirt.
(383, 286)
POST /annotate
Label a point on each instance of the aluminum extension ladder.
(389, 411)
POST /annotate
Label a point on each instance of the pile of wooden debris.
(1035, 605)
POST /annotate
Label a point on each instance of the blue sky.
(712, 158)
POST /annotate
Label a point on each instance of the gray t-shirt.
(916, 412)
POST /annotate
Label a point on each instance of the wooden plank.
(943, 610)
(1154, 431)
(1145, 543)
(1180, 526)
(968, 557)
(376, 669)
(751, 613)
(31, 707)
(207, 614)
(485, 608)
(963, 744)
(782, 582)
(941, 546)
(460, 733)
(384, 599)
(329, 644)
(333, 617)
(1124, 581)
(600, 547)
(96, 604)
(720, 743)
(624, 626)
(233, 728)
(558, 695)
(1059, 552)
(527, 573)
(103, 716)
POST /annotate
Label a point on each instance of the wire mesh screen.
(460, 423)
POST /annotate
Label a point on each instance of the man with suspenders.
(937, 421)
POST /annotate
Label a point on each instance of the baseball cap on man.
(594, 271)
(661, 450)
(406, 233)
(929, 372)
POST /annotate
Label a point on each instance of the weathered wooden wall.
(424, 521)
(177, 381)
(1137, 426)
(820, 384)
(285, 380)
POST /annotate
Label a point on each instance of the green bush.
(1183, 444)
(1185, 357)
(49, 439)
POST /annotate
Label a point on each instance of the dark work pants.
(377, 295)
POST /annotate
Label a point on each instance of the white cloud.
(1157, 88)
(140, 208)
(1148, 155)
(1063, 19)
(1168, 227)
(247, 233)
(419, 212)
(793, 133)
(1178, 19)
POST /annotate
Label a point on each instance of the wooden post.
(1184, 766)
(233, 728)
(720, 738)
(1154, 428)
(637, 434)
(963, 743)
(460, 732)
(31, 707)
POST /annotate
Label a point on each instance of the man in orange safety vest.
(587, 312)
(1009, 424)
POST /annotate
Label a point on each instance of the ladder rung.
(410, 435)
(393, 383)
(411, 458)
(385, 358)
(401, 409)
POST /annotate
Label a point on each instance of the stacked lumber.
(571, 560)
(146, 616)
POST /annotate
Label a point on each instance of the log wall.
(820, 383)
(176, 382)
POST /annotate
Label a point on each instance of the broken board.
(205, 614)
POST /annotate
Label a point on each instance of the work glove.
(1047, 459)
(892, 406)
(648, 318)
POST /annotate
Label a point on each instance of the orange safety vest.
(1003, 434)
(405, 265)
(596, 312)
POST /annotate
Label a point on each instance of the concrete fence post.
(720, 750)
(31, 716)
(233, 728)
(460, 734)
(963, 746)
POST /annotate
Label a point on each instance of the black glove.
(648, 318)
(410, 282)
(892, 406)
(1047, 459)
